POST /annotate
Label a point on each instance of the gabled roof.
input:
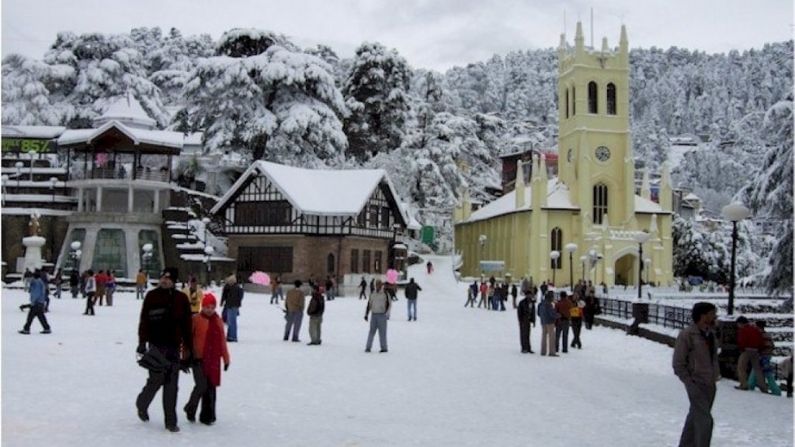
(557, 199)
(320, 192)
(128, 110)
(646, 206)
(137, 135)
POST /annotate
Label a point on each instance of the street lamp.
(640, 238)
(646, 266)
(18, 165)
(571, 247)
(75, 254)
(208, 251)
(146, 257)
(554, 255)
(583, 258)
(735, 212)
(53, 182)
(482, 240)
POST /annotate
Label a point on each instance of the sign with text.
(28, 145)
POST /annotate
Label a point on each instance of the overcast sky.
(429, 34)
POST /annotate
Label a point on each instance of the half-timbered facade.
(302, 223)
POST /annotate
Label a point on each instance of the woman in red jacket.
(209, 347)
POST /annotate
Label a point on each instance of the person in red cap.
(209, 347)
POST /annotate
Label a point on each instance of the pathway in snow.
(455, 377)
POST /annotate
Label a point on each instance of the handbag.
(155, 361)
(223, 314)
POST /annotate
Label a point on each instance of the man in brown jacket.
(294, 304)
(695, 362)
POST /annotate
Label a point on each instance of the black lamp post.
(583, 258)
(735, 212)
(571, 247)
(554, 255)
(640, 238)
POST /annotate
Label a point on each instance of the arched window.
(599, 203)
(556, 244)
(573, 101)
(611, 99)
(331, 266)
(592, 101)
(567, 102)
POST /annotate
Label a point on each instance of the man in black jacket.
(315, 312)
(165, 324)
(524, 311)
(411, 298)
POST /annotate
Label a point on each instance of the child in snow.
(209, 347)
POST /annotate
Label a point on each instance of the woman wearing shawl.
(209, 347)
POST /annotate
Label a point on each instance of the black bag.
(155, 361)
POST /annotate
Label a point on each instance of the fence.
(665, 316)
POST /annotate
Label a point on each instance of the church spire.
(645, 188)
(579, 40)
(519, 185)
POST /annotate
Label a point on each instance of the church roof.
(557, 199)
(128, 110)
(322, 192)
(646, 206)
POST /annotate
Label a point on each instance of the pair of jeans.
(139, 292)
(231, 321)
(412, 307)
(89, 304)
(75, 291)
(697, 431)
(36, 311)
(524, 334)
(203, 391)
(293, 322)
(562, 331)
(377, 323)
(314, 329)
(169, 380)
(750, 356)
(576, 329)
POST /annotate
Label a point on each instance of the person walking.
(411, 298)
(749, 342)
(110, 287)
(589, 311)
(695, 363)
(472, 294)
(90, 285)
(575, 314)
(100, 280)
(548, 316)
(232, 300)
(37, 302)
(765, 353)
(429, 266)
(74, 283)
(514, 294)
(276, 286)
(563, 307)
(315, 312)
(165, 326)
(372, 285)
(195, 295)
(294, 306)
(57, 281)
(378, 305)
(45, 278)
(209, 348)
(329, 288)
(363, 289)
(140, 284)
(484, 290)
(523, 312)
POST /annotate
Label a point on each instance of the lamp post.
(554, 255)
(75, 254)
(146, 257)
(640, 238)
(482, 240)
(208, 251)
(583, 258)
(5, 182)
(18, 166)
(646, 266)
(571, 247)
(735, 212)
(53, 182)
(32, 155)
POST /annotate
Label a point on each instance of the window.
(567, 102)
(110, 252)
(592, 101)
(611, 99)
(266, 259)
(262, 213)
(366, 261)
(556, 239)
(373, 216)
(377, 262)
(385, 217)
(573, 101)
(331, 265)
(354, 261)
(599, 203)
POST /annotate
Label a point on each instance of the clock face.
(569, 155)
(602, 153)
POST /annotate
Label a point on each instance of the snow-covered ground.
(455, 377)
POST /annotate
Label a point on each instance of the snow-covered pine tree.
(376, 91)
(263, 95)
(171, 63)
(26, 98)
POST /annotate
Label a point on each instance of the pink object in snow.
(260, 278)
(391, 276)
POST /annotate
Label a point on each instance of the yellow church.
(588, 222)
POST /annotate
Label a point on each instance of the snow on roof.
(647, 206)
(194, 139)
(557, 198)
(154, 137)
(413, 223)
(40, 211)
(691, 196)
(33, 131)
(322, 192)
(128, 110)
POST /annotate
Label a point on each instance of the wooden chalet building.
(301, 223)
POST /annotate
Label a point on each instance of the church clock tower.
(595, 151)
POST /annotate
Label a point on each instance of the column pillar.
(80, 198)
(99, 199)
(156, 201)
(130, 198)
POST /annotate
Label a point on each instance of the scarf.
(213, 346)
